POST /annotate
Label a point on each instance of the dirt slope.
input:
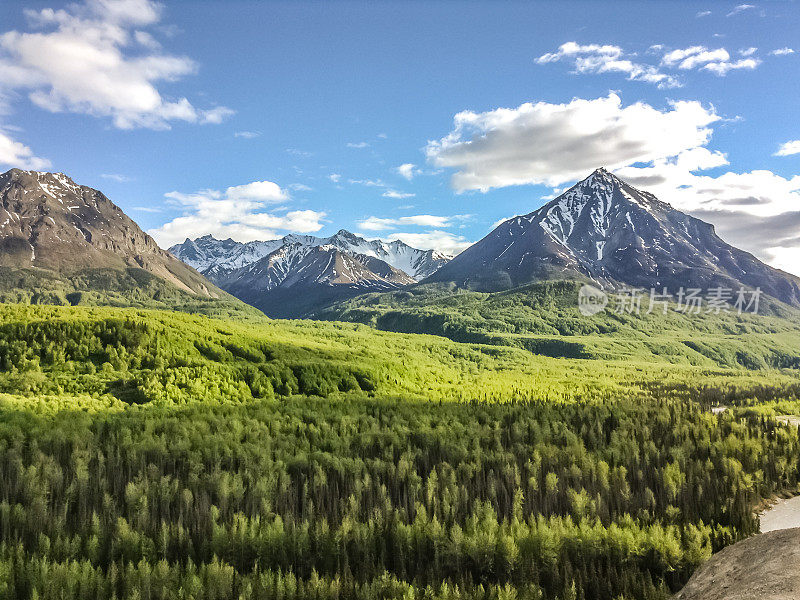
(764, 567)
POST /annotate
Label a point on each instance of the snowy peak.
(605, 230)
(215, 257)
(316, 269)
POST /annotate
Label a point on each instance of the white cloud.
(299, 187)
(608, 58)
(334, 177)
(17, 154)
(300, 153)
(357, 145)
(594, 58)
(368, 182)
(239, 213)
(717, 61)
(554, 143)
(88, 58)
(442, 241)
(397, 195)
(116, 177)
(408, 170)
(247, 135)
(259, 191)
(740, 9)
(782, 51)
(789, 148)
(694, 56)
(383, 224)
(703, 13)
(722, 68)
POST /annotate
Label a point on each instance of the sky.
(427, 122)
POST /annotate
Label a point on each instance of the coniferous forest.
(156, 455)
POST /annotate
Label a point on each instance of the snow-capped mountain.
(49, 222)
(606, 230)
(298, 273)
(217, 258)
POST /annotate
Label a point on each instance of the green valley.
(157, 454)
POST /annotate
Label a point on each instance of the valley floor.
(152, 455)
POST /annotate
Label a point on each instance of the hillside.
(64, 243)
(544, 318)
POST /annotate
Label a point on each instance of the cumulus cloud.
(17, 154)
(554, 143)
(383, 224)
(407, 170)
(782, 51)
(258, 191)
(443, 241)
(758, 211)
(789, 148)
(239, 212)
(96, 58)
(595, 58)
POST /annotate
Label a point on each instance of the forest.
(149, 455)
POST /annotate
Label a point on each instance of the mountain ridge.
(604, 230)
(296, 274)
(65, 242)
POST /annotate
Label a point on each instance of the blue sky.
(256, 119)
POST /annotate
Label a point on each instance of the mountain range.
(296, 274)
(63, 242)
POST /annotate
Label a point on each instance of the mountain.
(299, 273)
(605, 230)
(58, 238)
(215, 257)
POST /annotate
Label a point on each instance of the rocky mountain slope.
(290, 276)
(61, 237)
(605, 230)
(764, 567)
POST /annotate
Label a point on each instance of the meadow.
(152, 454)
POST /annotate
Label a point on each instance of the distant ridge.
(292, 276)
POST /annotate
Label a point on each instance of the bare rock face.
(764, 567)
(48, 221)
(605, 230)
